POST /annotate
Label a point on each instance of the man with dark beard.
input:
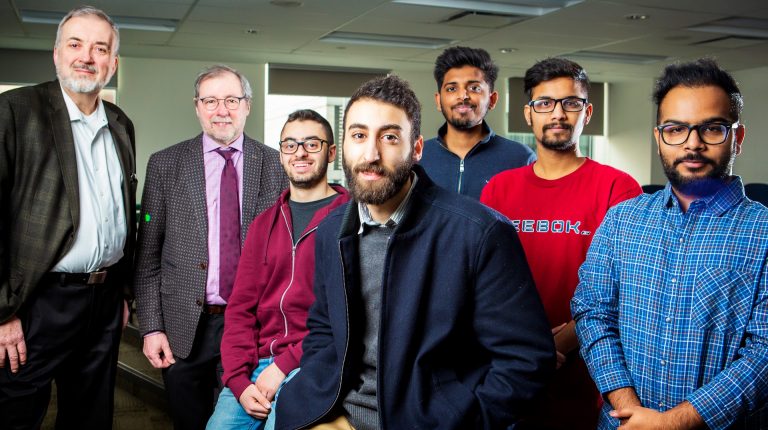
(266, 315)
(425, 314)
(67, 228)
(466, 152)
(556, 204)
(672, 306)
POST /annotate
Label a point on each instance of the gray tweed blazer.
(39, 193)
(172, 248)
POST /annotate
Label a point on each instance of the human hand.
(561, 358)
(255, 403)
(12, 344)
(157, 350)
(126, 313)
(639, 418)
(269, 381)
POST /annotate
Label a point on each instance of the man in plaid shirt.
(672, 306)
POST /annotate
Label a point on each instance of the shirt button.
(663, 363)
(681, 240)
(673, 280)
(667, 319)
(661, 404)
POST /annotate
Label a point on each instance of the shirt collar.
(724, 199)
(75, 114)
(396, 217)
(487, 131)
(210, 145)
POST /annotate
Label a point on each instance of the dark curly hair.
(699, 73)
(395, 91)
(552, 68)
(460, 56)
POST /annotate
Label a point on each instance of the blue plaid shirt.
(675, 305)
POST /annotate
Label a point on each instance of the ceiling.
(266, 31)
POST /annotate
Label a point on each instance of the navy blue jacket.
(490, 156)
(463, 339)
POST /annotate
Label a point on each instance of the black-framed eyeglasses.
(711, 133)
(312, 145)
(212, 103)
(569, 104)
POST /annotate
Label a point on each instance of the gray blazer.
(172, 249)
(39, 193)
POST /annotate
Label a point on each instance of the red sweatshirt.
(267, 312)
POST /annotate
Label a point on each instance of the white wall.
(630, 123)
(157, 96)
(751, 164)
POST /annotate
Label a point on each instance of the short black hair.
(310, 115)
(460, 56)
(700, 73)
(553, 68)
(395, 91)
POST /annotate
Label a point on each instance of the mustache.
(221, 119)
(693, 157)
(464, 104)
(86, 67)
(370, 168)
(563, 125)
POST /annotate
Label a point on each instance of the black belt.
(214, 309)
(92, 278)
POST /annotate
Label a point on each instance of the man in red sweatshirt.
(265, 320)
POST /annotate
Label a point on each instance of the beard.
(459, 122)
(311, 179)
(81, 85)
(699, 186)
(561, 145)
(391, 182)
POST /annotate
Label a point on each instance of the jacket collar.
(421, 195)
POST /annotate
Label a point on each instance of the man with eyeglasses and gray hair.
(199, 198)
(672, 306)
(67, 228)
(556, 204)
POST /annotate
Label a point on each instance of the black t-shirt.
(302, 213)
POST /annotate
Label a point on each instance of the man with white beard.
(67, 189)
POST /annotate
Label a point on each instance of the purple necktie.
(229, 225)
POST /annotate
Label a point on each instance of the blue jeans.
(229, 414)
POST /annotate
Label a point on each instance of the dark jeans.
(72, 333)
(193, 383)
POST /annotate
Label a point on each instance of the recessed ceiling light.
(286, 3)
(507, 50)
(122, 22)
(615, 57)
(252, 31)
(350, 38)
(636, 17)
(510, 8)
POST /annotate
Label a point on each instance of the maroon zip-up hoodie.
(267, 312)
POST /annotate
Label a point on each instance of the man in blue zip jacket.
(467, 153)
(425, 314)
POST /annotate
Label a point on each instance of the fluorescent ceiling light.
(385, 40)
(615, 57)
(122, 22)
(748, 27)
(535, 8)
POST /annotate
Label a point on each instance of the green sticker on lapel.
(147, 217)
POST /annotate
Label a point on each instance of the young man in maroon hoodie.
(265, 320)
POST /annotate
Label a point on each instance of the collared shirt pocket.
(722, 299)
